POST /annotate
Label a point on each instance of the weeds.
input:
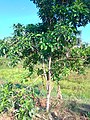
(19, 100)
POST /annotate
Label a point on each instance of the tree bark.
(59, 94)
(45, 75)
(48, 85)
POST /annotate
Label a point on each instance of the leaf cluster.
(17, 99)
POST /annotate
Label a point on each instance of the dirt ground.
(59, 110)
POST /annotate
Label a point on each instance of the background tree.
(4, 46)
(86, 49)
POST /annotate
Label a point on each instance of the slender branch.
(49, 68)
(72, 58)
(48, 85)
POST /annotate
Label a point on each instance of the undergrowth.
(15, 95)
(18, 100)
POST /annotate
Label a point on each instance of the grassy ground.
(75, 88)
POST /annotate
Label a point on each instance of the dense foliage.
(70, 11)
(18, 99)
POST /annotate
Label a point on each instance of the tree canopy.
(75, 12)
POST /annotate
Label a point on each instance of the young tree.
(55, 47)
(62, 18)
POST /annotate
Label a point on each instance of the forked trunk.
(59, 94)
(48, 85)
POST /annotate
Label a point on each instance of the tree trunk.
(45, 75)
(48, 85)
(59, 94)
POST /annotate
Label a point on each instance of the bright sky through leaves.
(24, 12)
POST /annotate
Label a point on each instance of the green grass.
(12, 74)
(76, 86)
(16, 74)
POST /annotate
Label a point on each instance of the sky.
(24, 12)
(16, 11)
(85, 33)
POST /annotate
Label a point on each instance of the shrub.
(19, 99)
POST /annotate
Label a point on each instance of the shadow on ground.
(80, 108)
